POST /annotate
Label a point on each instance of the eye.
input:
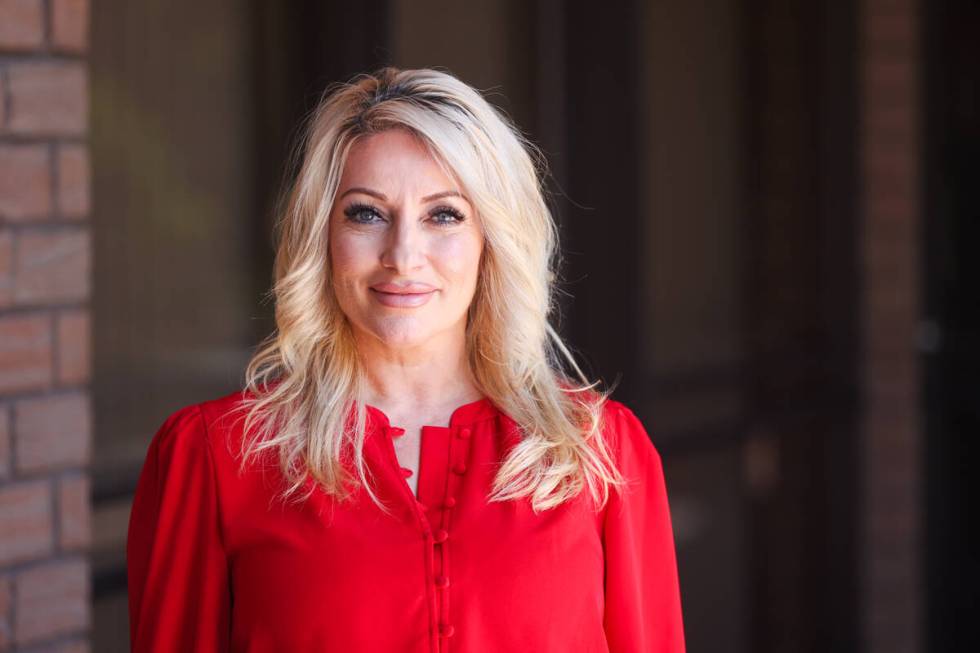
(446, 215)
(362, 214)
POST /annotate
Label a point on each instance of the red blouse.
(216, 564)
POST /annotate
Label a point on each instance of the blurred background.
(767, 207)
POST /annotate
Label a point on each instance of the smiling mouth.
(402, 299)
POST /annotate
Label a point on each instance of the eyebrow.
(366, 191)
(439, 196)
(381, 196)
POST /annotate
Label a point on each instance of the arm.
(643, 609)
(179, 593)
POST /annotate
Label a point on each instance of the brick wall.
(45, 272)
(890, 159)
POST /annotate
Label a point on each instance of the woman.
(409, 468)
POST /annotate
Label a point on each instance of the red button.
(446, 630)
(460, 469)
(442, 581)
(465, 433)
(450, 502)
(441, 535)
(406, 472)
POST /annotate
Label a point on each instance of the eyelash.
(448, 210)
(354, 210)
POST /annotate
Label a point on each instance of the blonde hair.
(305, 378)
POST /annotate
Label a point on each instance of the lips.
(408, 295)
(412, 287)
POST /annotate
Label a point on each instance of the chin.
(401, 332)
(401, 340)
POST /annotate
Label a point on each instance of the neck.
(426, 376)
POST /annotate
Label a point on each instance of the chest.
(444, 559)
(408, 452)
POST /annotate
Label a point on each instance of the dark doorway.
(950, 337)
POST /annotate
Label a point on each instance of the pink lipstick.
(408, 295)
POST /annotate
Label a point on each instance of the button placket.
(459, 450)
(443, 470)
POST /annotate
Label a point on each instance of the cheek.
(459, 259)
(349, 262)
(349, 256)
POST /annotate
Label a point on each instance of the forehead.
(395, 159)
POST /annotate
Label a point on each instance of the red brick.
(876, 10)
(889, 76)
(888, 169)
(70, 25)
(4, 442)
(882, 394)
(890, 303)
(74, 181)
(74, 346)
(52, 266)
(52, 432)
(5, 602)
(898, 340)
(891, 122)
(25, 182)
(25, 521)
(73, 646)
(892, 33)
(6, 268)
(891, 208)
(75, 512)
(51, 600)
(890, 260)
(25, 352)
(48, 98)
(899, 26)
(21, 24)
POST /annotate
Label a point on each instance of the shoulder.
(614, 408)
(221, 414)
(200, 425)
(626, 433)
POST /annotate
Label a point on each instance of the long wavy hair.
(305, 379)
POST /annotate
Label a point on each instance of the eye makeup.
(361, 213)
(444, 215)
(455, 215)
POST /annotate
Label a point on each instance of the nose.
(404, 247)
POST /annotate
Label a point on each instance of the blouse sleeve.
(642, 595)
(179, 593)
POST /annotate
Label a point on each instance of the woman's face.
(405, 245)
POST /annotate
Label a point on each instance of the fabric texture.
(217, 563)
